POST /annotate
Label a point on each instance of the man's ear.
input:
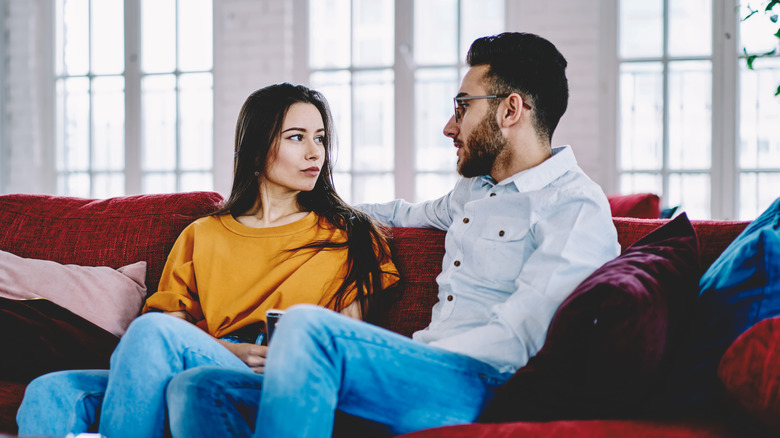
(511, 110)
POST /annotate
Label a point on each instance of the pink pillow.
(750, 371)
(109, 298)
(639, 205)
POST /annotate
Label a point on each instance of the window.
(133, 116)
(695, 125)
(372, 68)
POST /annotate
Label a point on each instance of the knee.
(150, 325)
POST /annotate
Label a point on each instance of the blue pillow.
(740, 289)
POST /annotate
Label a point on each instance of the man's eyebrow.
(461, 94)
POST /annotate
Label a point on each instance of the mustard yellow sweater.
(226, 275)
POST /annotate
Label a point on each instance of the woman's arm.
(353, 310)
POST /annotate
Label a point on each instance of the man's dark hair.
(529, 65)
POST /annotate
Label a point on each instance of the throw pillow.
(109, 298)
(609, 340)
(38, 337)
(639, 205)
(741, 288)
(750, 372)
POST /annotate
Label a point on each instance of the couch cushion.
(109, 298)
(609, 340)
(750, 372)
(112, 232)
(740, 289)
(639, 205)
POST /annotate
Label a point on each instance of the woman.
(283, 237)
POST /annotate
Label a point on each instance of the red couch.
(120, 231)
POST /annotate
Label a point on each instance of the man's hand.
(251, 354)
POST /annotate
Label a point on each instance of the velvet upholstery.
(610, 339)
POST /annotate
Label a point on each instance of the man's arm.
(436, 213)
(570, 247)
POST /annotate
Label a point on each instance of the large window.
(693, 126)
(133, 115)
(390, 83)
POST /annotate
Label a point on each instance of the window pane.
(343, 183)
(195, 35)
(158, 103)
(641, 28)
(196, 181)
(159, 183)
(108, 36)
(73, 140)
(757, 191)
(690, 28)
(74, 184)
(434, 90)
(759, 115)
(641, 183)
(158, 36)
(479, 18)
(692, 193)
(690, 114)
(373, 33)
(329, 33)
(335, 86)
(436, 32)
(374, 121)
(757, 32)
(196, 109)
(641, 116)
(433, 185)
(108, 118)
(108, 185)
(374, 188)
(73, 37)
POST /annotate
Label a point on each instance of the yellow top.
(226, 275)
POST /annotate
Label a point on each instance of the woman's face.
(298, 160)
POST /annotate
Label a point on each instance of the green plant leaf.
(777, 93)
(777, 34)
(771, 5)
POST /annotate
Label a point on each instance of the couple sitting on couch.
(524, 228)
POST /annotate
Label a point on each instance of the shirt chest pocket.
(501, 248)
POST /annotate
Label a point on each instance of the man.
(524, 228)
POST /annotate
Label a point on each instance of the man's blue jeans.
(155, 348)
(320, 361)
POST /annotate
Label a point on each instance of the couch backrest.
(112, 232)
(418, 254)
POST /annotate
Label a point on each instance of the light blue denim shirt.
(513, 252)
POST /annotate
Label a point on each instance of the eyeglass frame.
(457, 99)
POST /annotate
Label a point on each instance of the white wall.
(254, 43)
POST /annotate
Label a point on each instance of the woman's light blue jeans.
(155, 348)
(320, 361)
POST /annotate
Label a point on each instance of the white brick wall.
(255, 45)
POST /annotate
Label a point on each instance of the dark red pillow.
(639, 205)
(611, 338)
(750, 372)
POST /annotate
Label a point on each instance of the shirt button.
(465, 220)
(492, 194)
(449, 298)
(501, 233)
(457, 263)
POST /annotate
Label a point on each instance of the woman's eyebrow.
(302, 129)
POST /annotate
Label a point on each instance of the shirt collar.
(537, 177)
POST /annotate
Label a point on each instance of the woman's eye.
(320, 139)
(296, 137)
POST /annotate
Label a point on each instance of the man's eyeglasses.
(460, 107)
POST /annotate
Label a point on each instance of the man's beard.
(482, 147)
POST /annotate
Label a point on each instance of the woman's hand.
(251, 354)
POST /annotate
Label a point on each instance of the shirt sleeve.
(399, 213)
(570, 245)
(178, 288)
